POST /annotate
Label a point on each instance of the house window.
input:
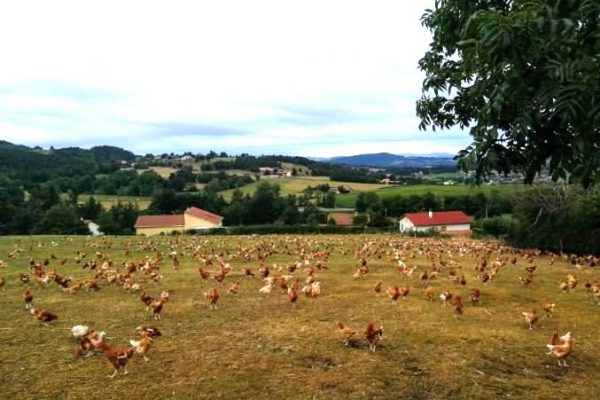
(443, 228)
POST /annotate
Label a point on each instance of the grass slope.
(108, 200)
(296, 185)
(254, 347)
(349, 199)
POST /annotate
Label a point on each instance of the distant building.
(341, 219)
(446, 222)
(192, 219)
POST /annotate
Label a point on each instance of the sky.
(310, 78)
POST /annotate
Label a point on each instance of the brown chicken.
(561, 347)
(43, 316)
(212, 296)
(531, 317)
(373, 335)
(117, 357)
(28, 299)
(346, 333)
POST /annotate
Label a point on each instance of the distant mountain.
(386, 160)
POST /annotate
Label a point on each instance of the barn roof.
(439, 218)
(159, 221)
(342, 218)
(203, 214)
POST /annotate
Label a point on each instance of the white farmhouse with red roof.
(193, 218)
(447, 222)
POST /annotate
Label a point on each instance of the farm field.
(349, 199)
(164, 172)
(261, 346)
(296, 185)
(108, 200)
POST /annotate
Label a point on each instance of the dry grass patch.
(257, 346)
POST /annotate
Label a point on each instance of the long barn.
(446, 222)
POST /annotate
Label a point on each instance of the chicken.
(146, 299)
(527, 280)
(148, 330)
(234, 289)
(143, 345)
(429, 293)
(23, 278)
(561, 347)
(475, 296)
(404, 292)
(248, 272)
(43, 316)
(531, 268)
(212, 296)
(315, 289)
(28, 299)
(203, 274)
(79, 331)
(445, 296)
(156, 307)
(267, 289)
(458, 306)
(531, 317)
(292, 295)
(572, 282)
(377, 288)
(373, 335)
(393, 292)
(548, 308)
(117, 357)
(2, 281)
(346, 333)
(88, 342)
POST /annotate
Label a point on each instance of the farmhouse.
(193, 218)
(447, 222)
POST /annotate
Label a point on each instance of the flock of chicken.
(312, 258)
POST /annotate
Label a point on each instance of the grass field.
(349, 199)
(108, 200)
(256, 347)
(296, 185)
(164, 172)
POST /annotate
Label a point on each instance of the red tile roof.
(203, 214)
(342, 218)
(159, 221)
(439, 218)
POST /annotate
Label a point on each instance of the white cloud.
(313, 77)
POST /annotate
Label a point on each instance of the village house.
(193, 218)
(446, 222)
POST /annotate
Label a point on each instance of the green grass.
(108, 200)
(254, 347)
(349, 199)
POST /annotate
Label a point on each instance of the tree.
(164, 201)
(119, 220)
(266, 205)
(329, 200)
(61, 218)
(90, 209)
(290, 215)
(524, 76)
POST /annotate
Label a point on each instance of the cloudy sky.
(313, 78)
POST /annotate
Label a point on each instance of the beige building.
(193, 218)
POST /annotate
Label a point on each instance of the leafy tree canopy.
(524, 76)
